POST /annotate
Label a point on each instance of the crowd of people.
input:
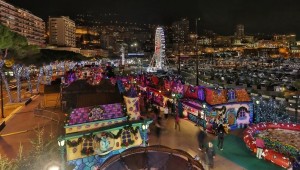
(159, 114)
(206, 147)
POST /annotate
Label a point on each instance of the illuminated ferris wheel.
(158, 61)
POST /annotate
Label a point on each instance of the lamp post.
(257, 102)
(7, 64)
(61, 144)
(53, 167)
(204, 109)
(144, 129)
(173, 103)
(196, 53)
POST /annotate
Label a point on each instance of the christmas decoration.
(270, 111)
(287, 150)
(17, 70)
(242, 95)
(26, 74)
(41, 72)
(74, 143)
(87, 151)
(130, 142)
(2, 63)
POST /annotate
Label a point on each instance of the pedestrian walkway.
(186, 139)
(20, 129)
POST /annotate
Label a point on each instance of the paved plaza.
(186, 139)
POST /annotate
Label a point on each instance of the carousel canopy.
(152, 157)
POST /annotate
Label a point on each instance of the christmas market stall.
(99, 124)
(159, 90)
(230, 107)
(93, 134)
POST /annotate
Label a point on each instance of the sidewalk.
(21, 129)
(186, 140)
(10, 109)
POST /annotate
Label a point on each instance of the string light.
(270, 111)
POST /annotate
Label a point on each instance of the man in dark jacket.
(221, 134)
(201, 138)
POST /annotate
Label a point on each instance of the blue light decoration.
(26, 74)
(120, 86)
(41, 73)
(219, 91)
(270, 111)
(17, 70)
(201, 94)
(231, 95)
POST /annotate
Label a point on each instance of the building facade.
(62, 31)
(181, 30)
(240, 31)
(23, 22)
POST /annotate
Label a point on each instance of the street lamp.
(134, 45)
(144, 129)
(204, 117)
(257, 102)
(53, 167)
(61, 144)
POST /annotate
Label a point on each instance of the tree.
(6, 42)
(17, 46)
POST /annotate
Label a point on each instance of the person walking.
(201, 138)
(177, 122)
(166, 112)
(221, 135)
(210, 155)
(215, 127)
(259, 146)
(198, 118)
(158, 129)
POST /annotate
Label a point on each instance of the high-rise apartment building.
(240, 31)
(181, 30)
(62, 31)
(23, 22)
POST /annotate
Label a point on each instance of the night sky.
(221, 16)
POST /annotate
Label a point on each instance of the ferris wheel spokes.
(158, 60)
